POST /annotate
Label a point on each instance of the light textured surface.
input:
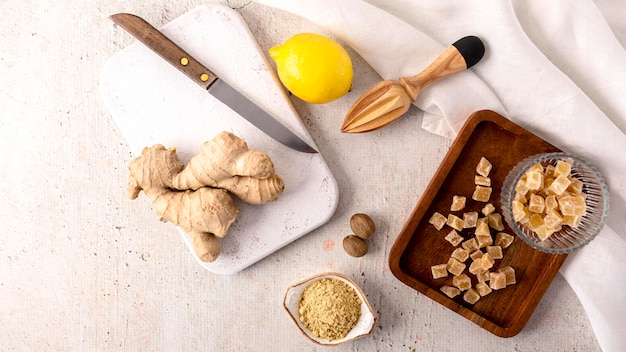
(83, 268)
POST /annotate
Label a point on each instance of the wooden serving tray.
(420, 245)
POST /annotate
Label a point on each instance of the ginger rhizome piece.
(226, 162)
(200, 204)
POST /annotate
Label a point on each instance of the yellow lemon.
(313, 67)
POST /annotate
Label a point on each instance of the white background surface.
(83, 268)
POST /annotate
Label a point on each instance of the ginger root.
(196, 197)
(226, 162)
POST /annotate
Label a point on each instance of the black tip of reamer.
(471, 48)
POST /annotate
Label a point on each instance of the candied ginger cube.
(576, 187)
(462, 282)
(476, 267)
(580, 206)
(476, 254)
(488, 209)
(471, 245)
(450, 291)
(566, 205)
(455, 267)
(454, 238)
(521, 188)
(495, 252)
(455, 222)
(470, 219)
(559, 185)
(497, 280)
(484, 167)
(471, 296)
(487, 261)
(481, 194)
(495, 221)
(503, 239)
(458, 203)
(572, 221)
(551, 203)
(520, 198)
(562, 168)
(509, 274)
(482, 180)
(518, 210)
(483, 289)
(553, 219)
(536, 168)
(482, 229)
(439, 271)
(536, 204)
(460, 254)
(535, 222)
(483, 276)
(438, 220)
(534, 180)
(483, 241)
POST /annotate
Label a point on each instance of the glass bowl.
(364, 325)
(567, 238)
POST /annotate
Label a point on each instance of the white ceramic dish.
(364, 326)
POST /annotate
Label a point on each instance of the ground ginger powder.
(330, 308)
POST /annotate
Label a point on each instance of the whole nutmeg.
(355, 246)
(362, 225)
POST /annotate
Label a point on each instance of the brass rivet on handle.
(184, 61)
(204, 77)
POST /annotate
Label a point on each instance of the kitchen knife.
(172, 53)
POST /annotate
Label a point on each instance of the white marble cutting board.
(152, 102)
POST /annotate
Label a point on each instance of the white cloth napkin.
(549, 65)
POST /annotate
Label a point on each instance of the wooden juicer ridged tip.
(389, 100)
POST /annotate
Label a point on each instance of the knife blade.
(208, 80)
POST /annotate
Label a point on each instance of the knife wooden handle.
(167, 49)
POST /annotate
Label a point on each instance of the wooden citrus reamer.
(387, 101)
